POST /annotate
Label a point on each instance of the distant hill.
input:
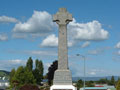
(4, 73)
(94, 78)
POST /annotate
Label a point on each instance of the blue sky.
(26, 29)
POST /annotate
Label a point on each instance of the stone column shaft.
(62, 48)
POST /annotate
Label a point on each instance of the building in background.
(4, 84)
(99, 88)
(95, 88)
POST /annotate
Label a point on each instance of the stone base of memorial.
(62, 80)
(62, 87)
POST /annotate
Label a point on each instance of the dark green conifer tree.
(79, 84)
(112, 80)
(12, 73)
(29, 64)
(38, 71)
(118, 85)
(51, 71)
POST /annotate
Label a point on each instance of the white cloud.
(46, 66)
(3, 37)
(35, 53)
(42, 53)
(118, 52)
(9, 64)
(52, 41)
(86, 44)
(118, 45)
(6, 19)
(95, 72)
(116, 58)
(88, 31)
(96, 51)
(78, 70)
(78, 31)
(71, 43)
(18, 35)
(17, 61)
(40, 22)
(92, 73)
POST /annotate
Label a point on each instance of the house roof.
(96, 88)
(112, 88)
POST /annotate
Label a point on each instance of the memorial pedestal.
(62, 87)
(62, 77)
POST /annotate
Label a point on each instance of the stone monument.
(62, 77)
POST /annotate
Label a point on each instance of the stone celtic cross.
(62, 18)
(62, 75)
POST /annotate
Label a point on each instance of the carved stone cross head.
(62, 17)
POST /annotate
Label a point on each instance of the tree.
(103, 81)
(29, 64)
(118, 85)
(90, 84)
(38, 71)
(51, 71)
(12, 73)
(23, 76)
(79, 84)
(118, 78)
(26, 75)
(112, 80)
(39, 66)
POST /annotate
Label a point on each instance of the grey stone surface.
(62, 75)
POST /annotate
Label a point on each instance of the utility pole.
(84, 58)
